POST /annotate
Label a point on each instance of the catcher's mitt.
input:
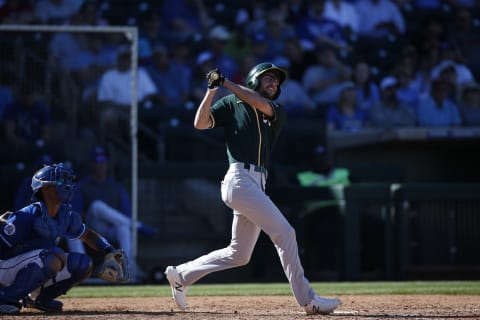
(114, 267)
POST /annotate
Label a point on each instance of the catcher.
(34, 270)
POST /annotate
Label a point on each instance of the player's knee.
(285, 234)
(96, 208)
(79, 265)
(53, 259)
(239, 257)
(242, 260)
(29, 278)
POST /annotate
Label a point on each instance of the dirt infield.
(267, 307)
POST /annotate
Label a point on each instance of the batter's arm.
(203, 119)
(251, 97)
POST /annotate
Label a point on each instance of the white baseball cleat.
(320, 305)
(179, 291)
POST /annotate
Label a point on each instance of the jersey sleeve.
(220, 112)
(76, 227)
(18, 233)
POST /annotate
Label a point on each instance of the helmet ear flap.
(253, 83)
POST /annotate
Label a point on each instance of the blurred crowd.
(351, 63)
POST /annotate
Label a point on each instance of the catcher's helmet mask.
(56, 175)
(253, 77)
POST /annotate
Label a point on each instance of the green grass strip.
(257, 289)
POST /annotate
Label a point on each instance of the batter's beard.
(265, 94)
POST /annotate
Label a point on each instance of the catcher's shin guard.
(31, 277)
(79, 266)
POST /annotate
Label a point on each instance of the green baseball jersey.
(250, 135)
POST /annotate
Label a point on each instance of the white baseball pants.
(242, 190)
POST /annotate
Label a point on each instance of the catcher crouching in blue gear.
(34, 270)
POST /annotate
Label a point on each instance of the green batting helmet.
(252, 80)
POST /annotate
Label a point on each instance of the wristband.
(104, 245)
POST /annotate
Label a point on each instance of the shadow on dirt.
(355, 315)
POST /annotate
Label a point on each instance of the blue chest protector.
(32, 228)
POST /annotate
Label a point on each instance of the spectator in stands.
(252, 17)
(218, 36)
(90, 62)
(27, 119)
(298, 58)
(463, 33)
(368, 93)
(87, 67)
(389, 112)
(436, 109)
(181, 55)
(293, 96)
(404, 70)
(450, 56)
(89, 14)
(407, 92)
(185, 18)
(105, 206)
(65, 45)
(470, 104)
(344, 13)
(322, 79)
(277, 31)
(173, 85)
(150, 34)
(427, 58)
(56, 11)
(432, 32)
(345, 115)
(97, 57)
(16, 12)
(316, 29)
(114, 93)
(260, 50)
(90, 52)
(294, 10)
(447, 72)
(379, 18)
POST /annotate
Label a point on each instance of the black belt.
(255, 167)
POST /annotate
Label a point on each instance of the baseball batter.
(34, 270)
(252, 122)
